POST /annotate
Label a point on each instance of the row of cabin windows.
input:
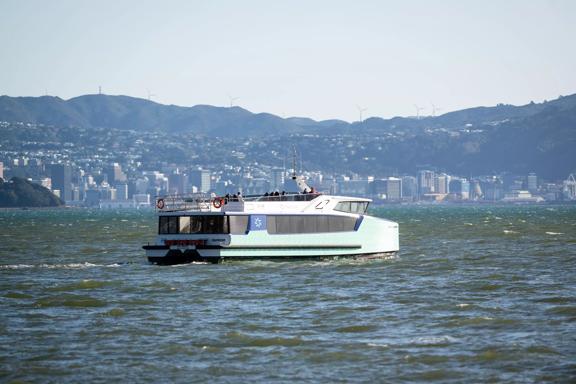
(276, 224)
(209, 224)
(309, 224)
(352, 206)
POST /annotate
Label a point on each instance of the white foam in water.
(378, 345)
(16, 266)
(57, 266)
(432, 340)
(554, 233)
(507, 231)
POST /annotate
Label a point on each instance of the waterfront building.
(532, 182)
(409, 187)
(115, 174)
(353, 187)
(178, 183)
(389, 188)
(441, 184)
(62, 180)
(1, 170)
(521, 197)
(476, 190)
(569, 188)
(201, 179)
(493, 189)
(459, 188)
(425, 182)
(122, 191)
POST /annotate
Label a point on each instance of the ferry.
(301, 224)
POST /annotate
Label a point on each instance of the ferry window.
(352, 206)
(168, 225)
(163, 225)
(214, 224)
(238, 224)
(309, 224)
(195, 224)
(207, 224)
(184, 224)
(172, 224)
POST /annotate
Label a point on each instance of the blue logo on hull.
(257, 222)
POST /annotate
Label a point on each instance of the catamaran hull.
(173, 257)
(374, 238)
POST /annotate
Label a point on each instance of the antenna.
(232, 100)
(294, 162)
(150, 95)
(418, 109)
(435, 109)
(361, 111)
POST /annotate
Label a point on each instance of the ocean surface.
(479, 294)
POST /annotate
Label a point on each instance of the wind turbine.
(150, 94)
(232, 100)
(361, 111)
(435, 109)
(418, 109)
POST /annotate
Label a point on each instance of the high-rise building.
(115, 174)
(441, 183)
(122, 191)
(532, 182)
(200, 179)
(61, 180)
(409, 187)
(1, 170)
(389, 188)
(178, 183)
(493, 189)
(460, 188)
(425, 182)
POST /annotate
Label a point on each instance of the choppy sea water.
(477, 294)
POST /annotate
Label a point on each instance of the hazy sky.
(319, 59)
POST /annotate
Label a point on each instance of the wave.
(60, 266)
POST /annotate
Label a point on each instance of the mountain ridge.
(126, 112)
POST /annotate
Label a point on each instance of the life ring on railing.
(160, 204)
(217, 202)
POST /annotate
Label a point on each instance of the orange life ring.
(160, 204)
(217, 202)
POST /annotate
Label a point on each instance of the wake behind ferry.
(301, 224)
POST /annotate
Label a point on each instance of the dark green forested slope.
(20, 192)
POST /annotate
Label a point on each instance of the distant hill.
(20, 192)
(123, 112)
(129, 113)
(536, 137)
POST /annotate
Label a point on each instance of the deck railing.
(205, 202)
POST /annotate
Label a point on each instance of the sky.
(323, 59)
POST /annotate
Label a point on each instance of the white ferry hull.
(373, 238)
